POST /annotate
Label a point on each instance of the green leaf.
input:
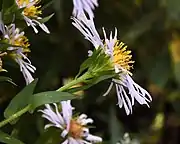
(21, 100)
(98, 62)
(47, 5)
(5, 138)
(89, 61)
(49, 97)
(84, 66)
(6, 4)
(3, 78)
(45, 19)
(8, 13)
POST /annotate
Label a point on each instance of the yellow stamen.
(21, 41)
(75, 129)
(31, 10)
(121, 56)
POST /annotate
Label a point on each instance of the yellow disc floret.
(30, 8)
(75, 129)
(22, 41)
(122, 56)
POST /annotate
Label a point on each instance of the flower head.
(18, 48)
(74, 129)
(82, 6)
(31, 13)
(121, 61)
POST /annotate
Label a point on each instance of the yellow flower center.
(121, 56)
(31, 10)
(75, 129)
(21, 41)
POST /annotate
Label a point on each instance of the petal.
(94, 139)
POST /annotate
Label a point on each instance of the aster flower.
(17, 49)
(121, 61)
(82, 6)
(74, 129)
(31, 13)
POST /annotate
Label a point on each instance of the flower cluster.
(109, 57)
(17, 44)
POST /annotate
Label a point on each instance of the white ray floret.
(84, 6)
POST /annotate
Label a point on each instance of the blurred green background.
(150, 28)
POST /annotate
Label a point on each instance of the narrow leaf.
(45, 19)
(21, 100)
(49, 97)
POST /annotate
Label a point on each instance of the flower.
(74, 129)
(121, 61)
(17, 49)
(82, 6)
(31, 13)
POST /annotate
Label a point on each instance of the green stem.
(74, 82)
(27, 108)
(14, 116)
